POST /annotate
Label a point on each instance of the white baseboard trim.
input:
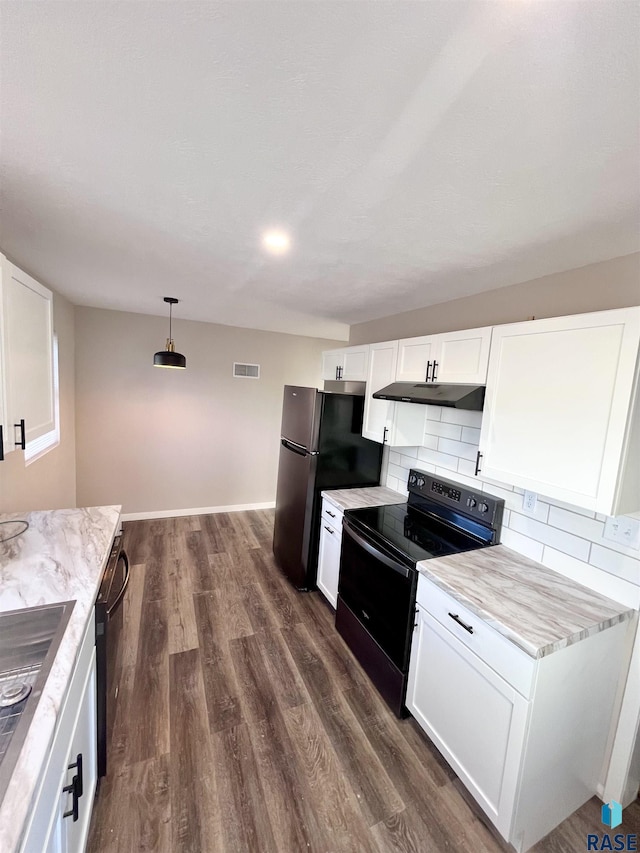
(199, 510)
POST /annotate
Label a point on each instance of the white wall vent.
(246, 371)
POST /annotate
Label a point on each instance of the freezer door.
(299, 415)
(294, 501)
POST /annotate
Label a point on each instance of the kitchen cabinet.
(396, 424)
(562, 414)
(348, 364)
(460, 357)
(26, 357)
(329, 551)
(526, 736)
(69, 778)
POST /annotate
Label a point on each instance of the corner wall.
(164, 441)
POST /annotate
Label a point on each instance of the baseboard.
(200, 510)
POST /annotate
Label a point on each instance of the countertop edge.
(386, 496)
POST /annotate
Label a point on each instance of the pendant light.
(169, 357)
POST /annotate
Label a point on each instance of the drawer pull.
(457, 619)
(328, 529)
(332, 514)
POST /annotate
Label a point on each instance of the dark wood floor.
(244, 723)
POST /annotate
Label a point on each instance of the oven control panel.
(476, 504)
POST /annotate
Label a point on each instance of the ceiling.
(415, 152)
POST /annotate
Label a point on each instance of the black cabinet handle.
(457, 619)
(328, 529)
(332, 514)
(75, 788)
(78, 764)
(1, 445)
(478, 458)
(22, 444)
(433, 374)
(384, 435)
(427, 377)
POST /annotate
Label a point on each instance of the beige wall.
(610, 284)
(48, 482)
(157, 440)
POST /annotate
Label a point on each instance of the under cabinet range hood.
(431, 394)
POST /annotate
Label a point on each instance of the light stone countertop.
(367, 496)
(59, 558)
(538, 609)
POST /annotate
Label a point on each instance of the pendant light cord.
(170, 312)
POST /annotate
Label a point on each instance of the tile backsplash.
(565, 538)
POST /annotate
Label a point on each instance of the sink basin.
(29, 641)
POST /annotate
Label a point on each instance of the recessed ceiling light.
(276, 242)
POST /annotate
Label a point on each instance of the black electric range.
(378, 578)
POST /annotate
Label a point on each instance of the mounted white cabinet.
(329, 551)
(61, 812)
(527, 737)
(348, 364)
(561, 414)
(26, 357)
(460, 357)
(396, 424)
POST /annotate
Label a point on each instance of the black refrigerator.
(321, 447)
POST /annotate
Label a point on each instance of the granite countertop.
(59, 558)
(538, 609)
(368, 496)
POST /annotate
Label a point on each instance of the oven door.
(374, 616)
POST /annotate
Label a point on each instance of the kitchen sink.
(29, 642)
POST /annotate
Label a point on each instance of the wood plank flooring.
(245, 724)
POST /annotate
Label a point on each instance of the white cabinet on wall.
(348, 364)
(460, 357)
(329, 551)
(561, 414)
(396, 424)
(26, 357)
(526, 736)
(61, 812)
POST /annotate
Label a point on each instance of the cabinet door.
(355, 362)
(559, 396)
(28, 353)
(473, 716)
(83, 743)
(378, 414)
(463, 356)
(331, 361)
(329, 561)
(414, 356)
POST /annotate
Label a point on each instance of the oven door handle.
(370, 548)
(125, 583)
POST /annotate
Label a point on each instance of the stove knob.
(412, 479)
(471, 502)
(483, 507)
(420, 482)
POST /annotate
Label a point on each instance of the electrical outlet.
(529, 502)
(624, 530)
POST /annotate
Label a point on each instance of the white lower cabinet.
(60, 817)
(527, 737)
(329, 552)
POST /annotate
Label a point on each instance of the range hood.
(431, 394)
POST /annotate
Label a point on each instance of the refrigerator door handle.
(296, 448)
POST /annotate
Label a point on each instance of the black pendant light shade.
(169, 357)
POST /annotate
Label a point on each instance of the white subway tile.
(596, 579)
(457, 448)
(468, 467)
(429, 467)
(615, 563)
(434, 413)
(399, 472)
(391, 482)
(409, 460)
(462, 417)
(580, 525)
(522, 544)
(430, 441)
(505, 517)
(469, 482)
(471, 435)
(444, 430)
(562, 505)
(547, 535)
(511, 500)
(394, 457)
(437, 458)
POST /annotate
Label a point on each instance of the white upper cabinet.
(396, 424)
(26, 370)
(561, 414)
(348, 364)
(450, 357)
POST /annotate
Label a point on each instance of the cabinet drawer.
(332, 514)
(505, 658)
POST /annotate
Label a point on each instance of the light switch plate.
(624, 530)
